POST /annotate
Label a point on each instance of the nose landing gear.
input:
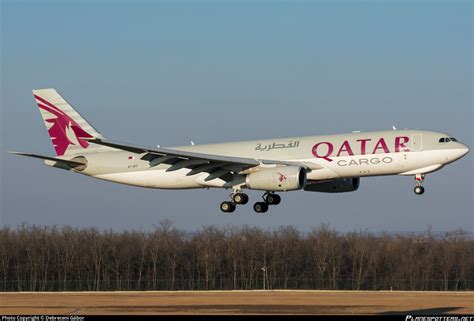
(419, 190)
(419, 178)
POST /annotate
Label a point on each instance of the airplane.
(329, 163)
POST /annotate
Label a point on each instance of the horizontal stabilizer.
(69, 163)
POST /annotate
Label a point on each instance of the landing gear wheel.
(273, 199)
(419, 190)
(260, 207)
(227, 207)
(240, 198)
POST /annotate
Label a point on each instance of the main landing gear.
(269, 198)
(419, 178)
(239, 198)
(228, 207)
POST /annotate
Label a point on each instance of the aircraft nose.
(465, 150)
(458, 151)
(461, 151)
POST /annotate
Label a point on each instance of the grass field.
(238, 302)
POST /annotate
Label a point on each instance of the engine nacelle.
(286, 178)
(336, 186)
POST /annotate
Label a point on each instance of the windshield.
(447, 139)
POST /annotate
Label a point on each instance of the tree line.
(37, 258)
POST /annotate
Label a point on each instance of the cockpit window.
(447, 139)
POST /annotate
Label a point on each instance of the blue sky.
(209, 71)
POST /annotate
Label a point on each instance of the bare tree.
(50, 258)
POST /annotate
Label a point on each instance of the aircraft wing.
(218, 166)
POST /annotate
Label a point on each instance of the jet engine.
(334, 186)
(286, 178)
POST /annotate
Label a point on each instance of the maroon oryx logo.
(282, 177)
(62, 129)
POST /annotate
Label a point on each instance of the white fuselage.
(403, 152)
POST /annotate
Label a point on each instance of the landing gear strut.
(419, 178)
(269, 198)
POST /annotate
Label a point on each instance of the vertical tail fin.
(68, 130)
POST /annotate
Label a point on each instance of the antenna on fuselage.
(394, 128)
(192, 143)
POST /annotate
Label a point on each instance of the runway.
(237, 302)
